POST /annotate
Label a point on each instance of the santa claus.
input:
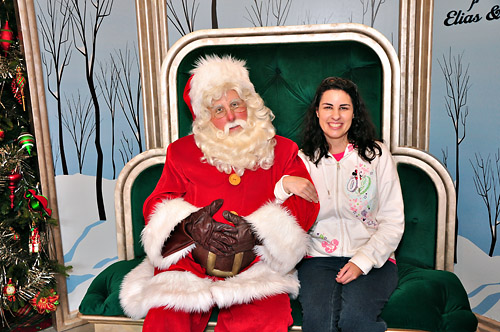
(214, 234)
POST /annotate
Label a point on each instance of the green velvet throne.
(286, 64)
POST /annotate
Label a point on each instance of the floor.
(82, 328)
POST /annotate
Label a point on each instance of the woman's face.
(335, 113)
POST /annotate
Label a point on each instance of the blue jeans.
(328, 306)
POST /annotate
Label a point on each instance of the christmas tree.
(27, 273)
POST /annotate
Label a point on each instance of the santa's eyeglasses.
(236, 106)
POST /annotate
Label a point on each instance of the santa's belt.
(222, 266)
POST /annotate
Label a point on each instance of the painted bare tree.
(487, 182)
(444, 152)
(268, 13)
(122, 91)
(308, 19)
(107, 79)
(126, 149)
(56, 153)
(371, 6)
(80, 124)
(129, 96)
(86, 26)
(215, 23)
(54, 22)
(184, 23)
(457, 83)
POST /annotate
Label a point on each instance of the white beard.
(249, 148)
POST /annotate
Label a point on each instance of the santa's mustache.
(238, 122)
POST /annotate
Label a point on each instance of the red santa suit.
(177, 283)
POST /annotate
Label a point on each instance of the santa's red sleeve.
(162, 211)
(282, 228)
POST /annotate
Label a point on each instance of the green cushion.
(429, 300)
(102, 297)
(296, 312)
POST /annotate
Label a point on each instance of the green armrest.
(102, 297)
(430, 300)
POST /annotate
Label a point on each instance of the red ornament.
(14, 179)
(45, 304)
(18, 87)
(6, 37)
(34, 242)
(10, 291)
(2, 134)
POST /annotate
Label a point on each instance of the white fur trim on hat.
(213, 72)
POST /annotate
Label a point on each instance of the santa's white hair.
(210, 73)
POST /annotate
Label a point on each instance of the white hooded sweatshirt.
(361, 208)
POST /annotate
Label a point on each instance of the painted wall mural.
(464, 135)
(94, 99)
(93, 89)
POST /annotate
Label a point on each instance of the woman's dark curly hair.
(362, 131)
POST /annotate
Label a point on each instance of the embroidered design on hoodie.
(329, 247)
(361, 189)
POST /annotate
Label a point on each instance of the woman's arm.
(294, 185)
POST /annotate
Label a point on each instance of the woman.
(350, 271)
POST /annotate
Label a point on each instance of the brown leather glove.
(177, 240)
(245, 238)
(210, 234)
(235, 257)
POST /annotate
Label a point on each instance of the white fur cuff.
(180, 290)
(253, 284)
(164, 218)
(284, 241)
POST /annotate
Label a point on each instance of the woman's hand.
(301, 187)
(348, 273)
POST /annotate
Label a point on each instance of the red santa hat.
(212, 72)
